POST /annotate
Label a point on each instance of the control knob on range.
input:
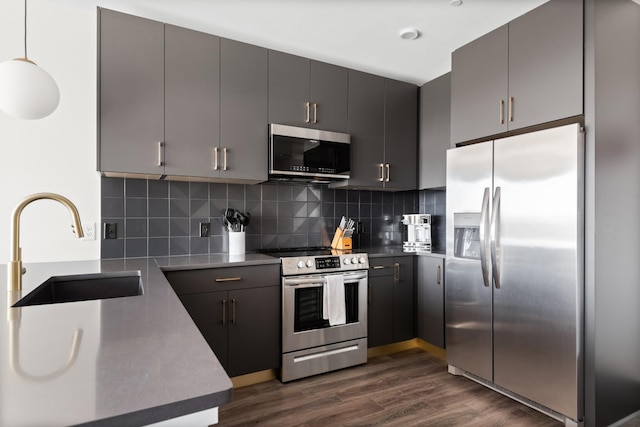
(361, 260)
(300, 264)
(354, 260)
(346, 261)
(309, 263)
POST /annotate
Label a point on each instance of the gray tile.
(299, 209)
(199, 245)
(158, 227)
(111, 187)
(217, 207)
(253, 192)
(112, 248)
(353, 196)
(317, 239)
(195, 226)
(178, 227)
(300, 240)
(353, 210)
(217, 226)
(269, 241)
(365, 210)
(216, 244)
(340, 210)
(326, 210)
(135, 187)
(285, 209)
(269, 225)
(135, 227)
(376, 211)
(237, 204)
(376, 196)
(178, 208)
(314, 194)
(158, 246)
(365, 196)
(135, 248)
(299, 193)
(300, 225)
(269, 192)
(158, 208)
(112, 207)
(316, 225)
(255, 226)
(269, 209)
(178, 190)
(135, 208)
(285, 193)
(199, 190)
(253, 243)
(235, 192)
(285, 240)
(199, 208)
(327, 195)
(218, 191)
(313, 209)
(285, 225)
(179, 246)
(158, 189)
(341, 196)
(254, 208)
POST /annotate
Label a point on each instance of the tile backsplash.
(160, 218)
(434, 202)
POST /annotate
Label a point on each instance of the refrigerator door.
(467, 296)
(537, 249)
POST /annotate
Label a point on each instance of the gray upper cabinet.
(383, 126)
(243, 112)
(192, 102)
(131, 94)
(307, 93)
(400, 135)
(525, 73)
(435, 132)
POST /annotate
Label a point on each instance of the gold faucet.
(14, 267)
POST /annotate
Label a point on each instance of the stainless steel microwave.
(308, 154)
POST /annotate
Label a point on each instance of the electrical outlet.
(110, 230)
(89, 230)
(205, 229)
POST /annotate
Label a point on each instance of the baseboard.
(383, 350)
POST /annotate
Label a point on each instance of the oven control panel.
(324, 263)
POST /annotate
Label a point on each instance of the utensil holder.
(236, 242)
(340, 242)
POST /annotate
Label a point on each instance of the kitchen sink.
(84, 287)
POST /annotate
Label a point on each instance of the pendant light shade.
(26, 90)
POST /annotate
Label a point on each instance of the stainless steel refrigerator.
(514, 266)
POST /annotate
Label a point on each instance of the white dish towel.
(333, 303)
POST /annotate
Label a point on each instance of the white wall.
(56, 154)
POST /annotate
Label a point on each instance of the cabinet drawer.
(380, 267)
(224, 278)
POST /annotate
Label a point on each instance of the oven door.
(303, 325)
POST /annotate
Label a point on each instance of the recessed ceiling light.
(409, 33)
(455, 3)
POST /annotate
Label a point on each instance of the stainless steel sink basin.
(84, 287)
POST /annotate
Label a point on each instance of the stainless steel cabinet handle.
(381, 179)
(233, 311)
(484, 225)
(160, 153)
(215, 158)
(224, 159)
(315, 113)
(396, 272)
(439, 275)
(495, 238)
(228, 279)
(307, 116)
(501, 112)
(388, 172)
(511, 101)
(379, 267)
(224, 312)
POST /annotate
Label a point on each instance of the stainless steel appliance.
(418, 233)
(308, 154)
(514, 263)
(310, 344)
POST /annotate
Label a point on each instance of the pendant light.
(26, 90)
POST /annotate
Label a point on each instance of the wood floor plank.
(410, 388)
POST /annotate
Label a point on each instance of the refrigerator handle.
(484, 225)
(495, 237)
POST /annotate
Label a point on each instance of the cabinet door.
(243, 111)
(479, 76)
(328, 95)
(435, 132)
(400, 135)
(545, 64)
(209, 312)
(380, 314)
(288, 89)
(192, 102)
(403, 299)
(254, 330)
(366, 126)
(131, 125)
(431, 300)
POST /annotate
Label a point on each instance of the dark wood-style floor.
(410, 388)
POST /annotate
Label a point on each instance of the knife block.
(340, 242)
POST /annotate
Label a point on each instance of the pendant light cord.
(25, 29)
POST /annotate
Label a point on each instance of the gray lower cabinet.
(307, 93)
(435, 132)
(237, 310)
(391, 300)
(243, 151)
(383, 116)
(525, 73)
(131, 94)
(430, 300)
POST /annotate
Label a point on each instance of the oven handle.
(319, 280)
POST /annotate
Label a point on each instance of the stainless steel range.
(324, 311)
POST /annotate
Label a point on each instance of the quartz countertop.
(121, 361)
(394, 250)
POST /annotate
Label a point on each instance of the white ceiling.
(359, 34)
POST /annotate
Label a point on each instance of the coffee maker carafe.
(418, 233)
